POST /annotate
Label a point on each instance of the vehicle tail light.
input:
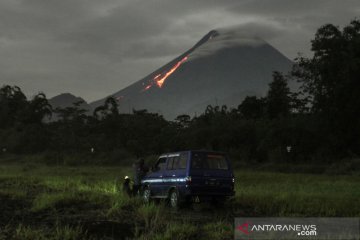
(188, 180)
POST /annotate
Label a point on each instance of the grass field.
(52, 202)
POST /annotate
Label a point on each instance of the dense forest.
(318, 123)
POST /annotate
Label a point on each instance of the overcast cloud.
(94, 48)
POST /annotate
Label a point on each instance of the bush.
(345, 166)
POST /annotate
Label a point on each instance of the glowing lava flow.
(160, 78)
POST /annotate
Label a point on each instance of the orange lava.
(160, 79)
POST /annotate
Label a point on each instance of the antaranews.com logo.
(301, 230)
(296, 228)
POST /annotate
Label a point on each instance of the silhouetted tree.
(12, 103)
(252, 107)
(183, 121)
(110, 108)
(38, 109)
(278, 97)
(331, 80)
(73, 113)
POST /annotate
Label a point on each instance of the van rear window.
(209, 161)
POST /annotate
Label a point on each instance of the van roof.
(175, 154)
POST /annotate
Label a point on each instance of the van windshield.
(208, 161)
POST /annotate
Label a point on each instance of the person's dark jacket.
(139, 172)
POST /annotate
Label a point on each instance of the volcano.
(223, 68)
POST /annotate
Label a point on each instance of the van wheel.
(146, 195)
(174, 199)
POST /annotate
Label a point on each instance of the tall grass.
(60, 233)
(277, 194)
(85, 202)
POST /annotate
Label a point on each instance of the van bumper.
(189, 191)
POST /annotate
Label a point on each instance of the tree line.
(318, 122)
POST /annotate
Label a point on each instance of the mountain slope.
(66, 100)
(222, 68)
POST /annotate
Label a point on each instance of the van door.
(175, 172)
(155, 179)
(169, 175)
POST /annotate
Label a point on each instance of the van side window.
(217, 162)
(175, 163)
(209, 161)
(161, 164)
(170, 164)
(181, 161)
(196, 161)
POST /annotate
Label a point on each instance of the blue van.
(189, 176)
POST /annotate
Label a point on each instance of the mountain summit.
(224, 67)
(67, 100)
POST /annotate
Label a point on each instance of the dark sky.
(93, 48)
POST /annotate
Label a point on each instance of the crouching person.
(126, 186)
(140, 171)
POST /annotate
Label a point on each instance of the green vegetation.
(66, 202)
(316, 123)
